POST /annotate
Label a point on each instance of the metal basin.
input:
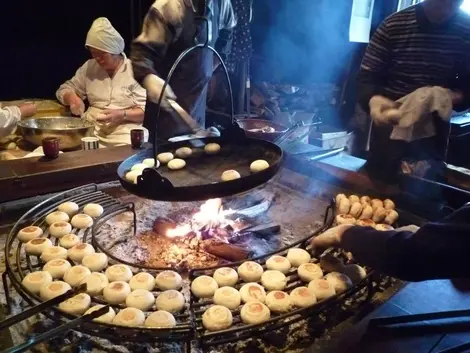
(70, 131)
(262, 129)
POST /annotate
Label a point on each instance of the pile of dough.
(142, 280)
(57, 216)
(79, 251)
(355, 272)
(35, 280)
(226, 276)
(76, 274)
(69, 241)
(274, 280)
(160, 318)
(165, 157)
(384, 227)
(356, 209)
(204, 287)
(250, 271)
(69, 207)
(278, 302)
(228, 297)
(76, 305)
(389, 204)
(171, 301)
(278, 263)
(330, 263)
(82, 221)
(259, 165)
(176, 164)
(119, 272)
(365, 223)
(130, 317)
(59, 229)
(37, 246)
(93, 210)
(339, 281)
(95, 283)
(322, 289)
(252, 292)
(345, 219)
(131, 176)
(53, 252)
(95, 262)
(183, 152)
(150, 162)
(116, 292)
(212, 148)
(298, 256)
(303, 297)
(140, 299)
(391, 216)
(217, 318)
(255, 313)
(57, 268)
(308, 272)
(53, 289)
(29, 233)
(168, 280)
(104, 319)
(230, 174)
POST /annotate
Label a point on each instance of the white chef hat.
(103, 36)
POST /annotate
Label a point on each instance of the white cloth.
(9, 117)
(103, 36)
(92, 83)
(417, 111)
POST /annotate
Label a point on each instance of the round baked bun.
(355, 272)
(278, 263)
(330, 263)
(353, 198)
(29, 233)
(252, 292)
(345, 219)
(343, 207)
(96, 282)
(139, 167)
(93, 210)
(69, 241)
(57, 268)
(229, 175)
(226, 276)
(217, 318)
(130, 317)
(339, 197)
(365, 223)
(308, 272)
(176, 164)
(228, 297)
(76, 305)
(103, 319)
(160, 318)
(303, 297)
(212, 148)
(384, 227)
(119, 273)
(274, 280)
(365, 200)
(253, 313)
(278, 302)
(37, 246)
(35, 280)
(165, 157)
(150, 162)
(132, 176)
(171, 301)
(57, 216)
(69, 207)
(53, 289)
(76, 274)
(389, 204)
(183, 152)
(142, 280)
(81, 221)
(204, 287)
(167, 280)
(79, 251)
(116, 292)
(298, 257)
(250, 271)
(322, 289)
(59, 229)
(140, 299)
(339, 281)
(95, 262)
(258, 166)
(53, 252)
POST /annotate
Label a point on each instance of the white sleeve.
(9, 116)
(139, 96)
(76, 84)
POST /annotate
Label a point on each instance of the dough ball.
(278, 263)
(69, 207)
(53, 289)
(131, 176)
(384, 227)
(365, 223)
(345, 219)
(176, 164)
(204, 287)
(76, 274)
(339, 197)
(103, 319)
(95, 283)
(255, 313)
(252, 292)
(82, 221)
(308, 272)
(356, 209)
(230, 175)
(322, 289)
(339, 281)
(119, 273)
(35, 280)
(79, 251)
(69, 241)
(29, 233)
(376, 203)
(354, 198)
(140, 299)
(161, 319)
(165, 157)
(184, 152)
(298, 256)
(168, 280)
(142, 280)
(302, 297)
(57, 268)
(93, 210)
(226, 276)
(278, 302)
(116, 292)
(76, 305)
(365, 200)
(379, 214)
(259, 165)
(330, 263)
(37, 246)
(59, 229)
(130, 317)
(217, 318)
(250, 271)
(212, 148)
(171, 301)
(274, 280)
(367, 212)
(391, 216)
(57, 216)
(343, 207)
(95, 262)
(355, 272)
(139, 167)
(389, 204)
(228, 297)
(53, 252)
(150, 162)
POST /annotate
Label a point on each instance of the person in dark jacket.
(437, 250)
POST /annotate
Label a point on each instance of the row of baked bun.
(348, 219)
(364, 207)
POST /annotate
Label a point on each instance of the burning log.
(227, 251)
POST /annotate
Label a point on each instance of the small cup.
(90, 143)
(50, 146)
(137, 138)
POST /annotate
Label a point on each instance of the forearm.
(134, 115)
(67, 97)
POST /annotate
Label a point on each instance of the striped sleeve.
(378, 51)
